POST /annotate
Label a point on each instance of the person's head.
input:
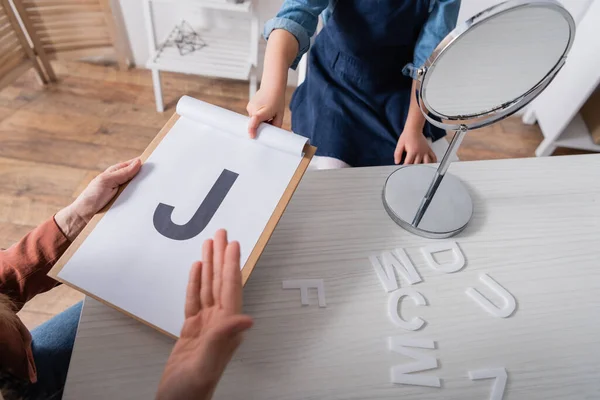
(15, 341)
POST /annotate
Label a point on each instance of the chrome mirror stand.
(427, 201)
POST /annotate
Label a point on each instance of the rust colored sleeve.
(24, 266)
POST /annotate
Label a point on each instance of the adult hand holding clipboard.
(73, 218)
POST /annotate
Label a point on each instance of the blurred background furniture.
(76, 28)
(17, 55)
(231, 46)
(34, 31)
(568, 111)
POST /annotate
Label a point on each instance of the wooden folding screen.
(16, 54)
(32, 31)
(76, 28)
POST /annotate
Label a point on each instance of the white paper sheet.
(128, 263)
(237, 124)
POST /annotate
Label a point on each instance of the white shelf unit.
(577, 136)
(212, 4)
(557, 109)
(230, 52)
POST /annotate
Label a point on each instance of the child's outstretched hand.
(416, 147)
(267, 105)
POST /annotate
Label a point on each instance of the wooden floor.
(54, 140)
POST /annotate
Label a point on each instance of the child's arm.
(412, 141)
(442, 19)
(269, 101)
(288, 36)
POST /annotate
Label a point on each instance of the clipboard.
(249, 265)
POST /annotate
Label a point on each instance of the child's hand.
(267, 105)
(416, 147)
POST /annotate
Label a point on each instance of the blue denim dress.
(354, 102)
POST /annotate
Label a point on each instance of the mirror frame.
(475, 121)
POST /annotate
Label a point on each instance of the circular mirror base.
(448, 212)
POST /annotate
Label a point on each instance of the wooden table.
(535, 230)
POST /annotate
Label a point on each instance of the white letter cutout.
(456, 265)
(399, 262)
(509, 301)
(499, 384)
(304, 285)
(394, 304)
(399, 373)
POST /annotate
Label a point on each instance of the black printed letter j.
(162, 215)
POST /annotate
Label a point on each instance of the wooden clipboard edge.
(309, 152)
(111, 305)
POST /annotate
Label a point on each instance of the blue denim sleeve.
(442, 20)
(298, 17)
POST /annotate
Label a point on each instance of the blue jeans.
(52, 345)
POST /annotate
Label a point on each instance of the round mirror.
(495, 63)
(485, 70)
